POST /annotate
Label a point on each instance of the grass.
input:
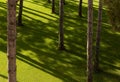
(38, 59)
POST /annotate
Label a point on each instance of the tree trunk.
(80, 8)
(20, 13)
(61, 31)
(96, 60)
(89, 41)
(11, 38)
(53, 6)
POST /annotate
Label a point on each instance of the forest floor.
(38, 57)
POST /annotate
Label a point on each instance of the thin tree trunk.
(61, 31)
(89, 41)
(53, 6)
(80, 8)
(11, 38)
(96, 60)
(20, 13)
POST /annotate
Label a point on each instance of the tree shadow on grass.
(3, 27)
(109, 50)
(65, 65)
(41, 38)
(106, 77)
(48, 66)
(3, 76)
(44, 45)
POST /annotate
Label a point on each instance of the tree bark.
(80, 8)
(20, 13)
(61, 31)
(89, 41)
(98, 35)
(11, 39)
(53, 6)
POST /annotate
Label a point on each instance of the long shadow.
(101, 77)
(45, 68)
(3, 27)
(50, 51)
(70, 66)
(69, 63)
(3, 76)
(36, 11)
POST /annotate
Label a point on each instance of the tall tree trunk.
(96, 60)
(89, 41)
(11, 38)
(19, 22)
(61, 31)
(53, 6)
(80, 8)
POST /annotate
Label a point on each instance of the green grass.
(38, 59)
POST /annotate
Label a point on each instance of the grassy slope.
(38, 59)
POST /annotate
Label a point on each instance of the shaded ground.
(38, 59)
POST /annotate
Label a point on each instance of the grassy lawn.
(38, 59)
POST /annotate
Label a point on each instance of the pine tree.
(11, 39)
(98, 35)
(89, 41)
(61, 30)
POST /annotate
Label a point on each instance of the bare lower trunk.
(20, 13)
(53, 6)
(61, 31)
(89, 41)
(80, 8)
(11, 38)
(96, 60)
